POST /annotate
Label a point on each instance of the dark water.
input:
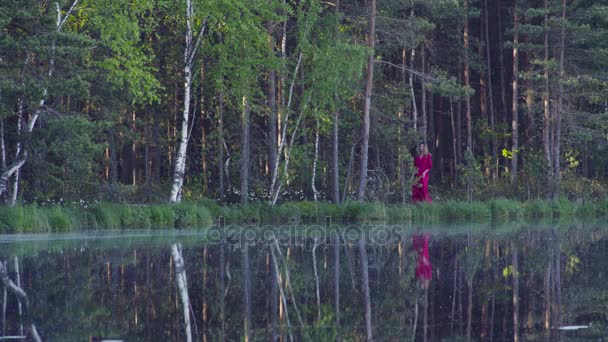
(494, 283)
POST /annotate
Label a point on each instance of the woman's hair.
(426, 149)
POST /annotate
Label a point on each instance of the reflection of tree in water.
(487, 284)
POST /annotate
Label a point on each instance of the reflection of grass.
(33, 218)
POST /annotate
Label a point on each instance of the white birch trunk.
(189, 58)
(283, 131)
(17, 152)
(182, 283)
(314, 164)
(180, 159)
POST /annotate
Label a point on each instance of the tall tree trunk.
(503, 83)
(245, 128)
(272, 122)
(490, 90)
(315, 193)
(546, 96)
(515, 100)
(335, 162)
(368, 103)
(220, 144)
(467, 99)
(365, 286)
(454, 144)
(424, 125)
(560, 104)
(15, 190)
(189, 58)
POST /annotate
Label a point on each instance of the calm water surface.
(494, 283)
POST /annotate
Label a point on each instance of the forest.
(272, 101)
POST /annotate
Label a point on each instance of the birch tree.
(190, 52)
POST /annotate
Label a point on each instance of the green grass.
(201, 214)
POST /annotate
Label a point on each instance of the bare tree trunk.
(424, 126)
(490, 89)
(15, 190)
(315, 193)
(182, 283)
(274, 188)
(546, 96)
(245, 125)
(335, 162)
(560, 109)
(368, 103)
(411, 81)
(503, 83)
(189, 59)
(365, 285)
(349, 171)
(514, 104)
(272, 121)
(467, 99)
(220, 144)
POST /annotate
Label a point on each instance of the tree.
(368, 102)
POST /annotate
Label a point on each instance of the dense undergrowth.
(203, 213)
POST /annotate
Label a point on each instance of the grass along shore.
(202, 214)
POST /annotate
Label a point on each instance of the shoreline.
(202, 214)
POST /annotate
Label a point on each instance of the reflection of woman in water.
(424, 270)
(423, 163)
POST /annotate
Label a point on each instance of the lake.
(514, 281)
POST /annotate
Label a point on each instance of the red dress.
(420, 190)
(424, 270)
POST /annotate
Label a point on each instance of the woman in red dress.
(424, 163)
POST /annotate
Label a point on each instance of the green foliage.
(64, 156)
